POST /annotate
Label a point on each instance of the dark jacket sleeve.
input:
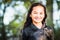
(24, 35)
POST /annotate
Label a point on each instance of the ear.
(30, 15)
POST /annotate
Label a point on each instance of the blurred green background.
(13, 15)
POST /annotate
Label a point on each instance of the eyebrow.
(34, 11)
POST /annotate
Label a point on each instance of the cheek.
(33, 15)
(43, 16)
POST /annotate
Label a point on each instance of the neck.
(38, 25)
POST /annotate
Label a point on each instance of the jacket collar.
(33, 27)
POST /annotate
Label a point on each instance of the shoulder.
(27, 29)
(49, 29)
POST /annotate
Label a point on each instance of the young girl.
(35, 27)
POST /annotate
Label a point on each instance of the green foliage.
(13, 27)
(16, 27)
(27, 4)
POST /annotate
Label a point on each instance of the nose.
(38, 15)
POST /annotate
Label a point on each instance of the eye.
(35, 13)
(41, 13)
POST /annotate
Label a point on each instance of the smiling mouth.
(38, 18)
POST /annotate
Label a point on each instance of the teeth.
(37, 18)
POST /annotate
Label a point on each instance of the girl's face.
(37, 14)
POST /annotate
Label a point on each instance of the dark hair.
(29, 19)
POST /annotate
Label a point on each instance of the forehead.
(38, 8)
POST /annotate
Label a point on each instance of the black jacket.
(33, 33)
